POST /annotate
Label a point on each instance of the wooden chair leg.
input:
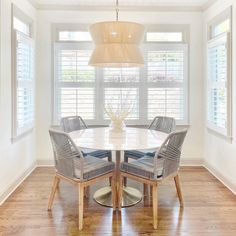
(126, 159)
(86, 192)
(178, 189)
(110, 178)
(120, 192)
(110, 181)
(81, 205)
(155, 205)
(114, 192)
(150, 190)
(145, 189)
(53, 191)
(125, 181)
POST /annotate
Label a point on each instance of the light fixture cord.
(117, 10)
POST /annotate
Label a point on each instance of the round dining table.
(118, 142)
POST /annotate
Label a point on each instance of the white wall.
(193, 148)
(220, 154)
(16, 159)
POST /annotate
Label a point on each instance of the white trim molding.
(191, 162)
(52, 7)
(147, 8)
(45, 162)
(208, 4)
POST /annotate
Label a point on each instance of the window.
(219, 77)
(167, 81)
(158, 88)
(220, 28)
(23, 78)
(74, 36)
(75, 83)
(164, 37)
(21, 26)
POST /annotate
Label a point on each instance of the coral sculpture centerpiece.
(119, 111)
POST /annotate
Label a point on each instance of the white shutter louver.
(77, 101)
(167, 82)
(74, 86)
(166, 102)
(24, 84)
(166, 66)
(217, 82)
(123, 75)
(73, 66)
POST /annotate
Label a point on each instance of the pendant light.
(116, 43)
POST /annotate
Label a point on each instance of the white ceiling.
(146, 3)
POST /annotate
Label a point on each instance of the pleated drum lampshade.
(117, 44)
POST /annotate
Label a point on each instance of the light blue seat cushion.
(144, 167)
(97, 153)
(93, 167)
(134, 154)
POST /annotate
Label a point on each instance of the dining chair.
(72, 167)
(73, 123)
(152, 171)
(159, 123)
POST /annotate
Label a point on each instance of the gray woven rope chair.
(73, 123)
(72, 167)
(153, 170)
(159, 123)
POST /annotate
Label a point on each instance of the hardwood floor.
(210, 209)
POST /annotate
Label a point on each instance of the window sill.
(20, 136)
(219, 134)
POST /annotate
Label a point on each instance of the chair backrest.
(171, 152)
(163, 123)
(72, 123)
(66, 155)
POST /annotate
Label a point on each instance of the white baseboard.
(13, 186)
(228, 184)
(191, 162)
(43, 162)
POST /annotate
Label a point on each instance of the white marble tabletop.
(106, 139)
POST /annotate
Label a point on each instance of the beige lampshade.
(117, 44)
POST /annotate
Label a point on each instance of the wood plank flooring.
(210, 209)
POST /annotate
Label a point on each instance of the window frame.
(226, 14)
(99, 117)
(18, 133)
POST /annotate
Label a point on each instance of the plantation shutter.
(167, 81)
(23, 84)
(75, 82)
(218, 82)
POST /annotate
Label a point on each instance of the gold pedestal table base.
(131, 196)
